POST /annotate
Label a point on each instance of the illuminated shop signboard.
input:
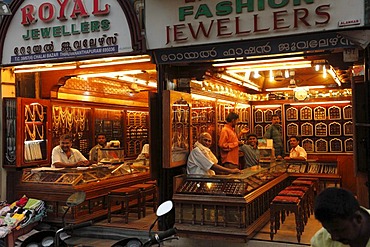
(57, 29)
(178, 23)
(250, 48)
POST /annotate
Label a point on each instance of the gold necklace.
(32, 134)
(42, 132)
(29, 113)
(40, 111)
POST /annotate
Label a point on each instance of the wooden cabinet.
(28, 134)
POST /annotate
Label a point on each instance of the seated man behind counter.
(64, 155)
(201, 159)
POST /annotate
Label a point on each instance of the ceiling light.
(288, 89)
(101, 62)
(267, 106)
(201, 97)
(111, 74)
(259, 61)
(271, 75)
(286, 74)
(42, 68)
(326, 102)
(324, 74)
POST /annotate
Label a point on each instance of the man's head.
(293, 141)
(252, 140)
(205, 139)
(275, 119)
(101, 139)
(340, 214)
(65, 142)
(232, 118)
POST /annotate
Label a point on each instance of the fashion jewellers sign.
(174, 23)
(60, 29)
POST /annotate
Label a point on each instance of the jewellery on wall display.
(258, 130)
(347, 112)
(268, 115)
(348, 145)
(335, 129)
(292, 114)
(335, 145)
(319, 113)
(348, 128)
(334, 113)
(180, 125)
(308, 145)
(292, 129)
(258, 116)
(321, 129)
(306, 113)
(307, 129)
(321, 145)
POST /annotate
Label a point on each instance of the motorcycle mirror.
(76, 199)
(164, 208)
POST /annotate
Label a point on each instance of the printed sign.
(250, 48)
(50, 30)
(179, 23)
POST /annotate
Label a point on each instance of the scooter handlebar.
(77, 226)
(157, 238)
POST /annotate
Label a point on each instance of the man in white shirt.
(144, 153)
(66, 156)
(296, 152)
(201, 159)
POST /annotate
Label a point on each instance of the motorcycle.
(157, 238)
(50, 238)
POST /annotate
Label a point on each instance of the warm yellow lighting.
(296, 88)
(119, 62)
(286, 73)
(111, 74)
(240, 105)
(256, 62)
(317, 67)
(273, 66)
(231, 79)
(201, 97)
(266, 106)
(256, 74)
(332, 73)
(245, 80)
(324, 72)
(326, 102)
(43, 67)
(226, 101)
(271, 75)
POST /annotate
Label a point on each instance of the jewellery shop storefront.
(77, 67)
(258, 58)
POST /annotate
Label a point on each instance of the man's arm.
(219, 168)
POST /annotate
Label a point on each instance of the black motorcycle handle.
(158, 238)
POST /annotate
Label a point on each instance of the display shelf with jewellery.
(27, 132)
(55, 185)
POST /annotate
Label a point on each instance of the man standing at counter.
(274, 132)
(250, 150)
(296, 152)
(201, 159)
(102, 143)
(66, 156)
(229, 142)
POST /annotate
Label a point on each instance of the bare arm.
(79, 163)
(219, 168)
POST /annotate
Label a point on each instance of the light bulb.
(286, 73)
(324, 72)
(271, 75)
(317, 67)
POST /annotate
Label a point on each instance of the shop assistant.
(296, 152)
(94, 152)
(66, 156)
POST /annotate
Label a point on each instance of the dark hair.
(333, 203)
(100, 134)
(275, 115)
(295, 137)
(251, 134)
(66, 137)
(231, 116)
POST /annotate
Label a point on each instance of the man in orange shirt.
(229, 142)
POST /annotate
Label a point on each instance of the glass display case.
(111, 155)
(224, 203)
(76, 176)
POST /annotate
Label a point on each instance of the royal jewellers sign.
(66, 29)
(177, 23)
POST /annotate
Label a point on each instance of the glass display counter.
(55, 185)
(228, 205)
